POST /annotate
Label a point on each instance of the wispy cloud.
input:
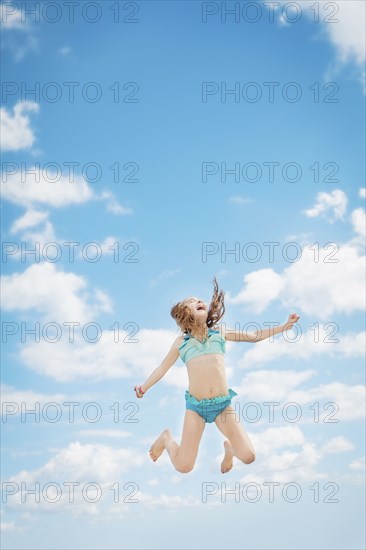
(31, 218)
(45, 281)
(15, 130)
(18, 36)
(341, 23)
(240, 200)
(33, 187)
(331, 205)
(113, 205)
(318, 283)
(164, 275)
(64, 51)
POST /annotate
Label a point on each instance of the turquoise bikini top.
(194, 348)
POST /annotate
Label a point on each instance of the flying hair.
(187, 321)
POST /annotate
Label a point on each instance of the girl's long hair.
(186, 320)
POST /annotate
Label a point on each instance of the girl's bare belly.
(207, 377)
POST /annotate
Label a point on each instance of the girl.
(202, 346)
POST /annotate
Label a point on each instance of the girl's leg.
(241, 446)
(183, 456)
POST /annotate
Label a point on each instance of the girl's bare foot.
(158, 447)
(227, 463)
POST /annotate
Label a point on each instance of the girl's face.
(197, 307)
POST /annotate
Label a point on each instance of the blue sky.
(165, 220)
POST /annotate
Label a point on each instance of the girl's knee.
(184, 468)
(248, 458)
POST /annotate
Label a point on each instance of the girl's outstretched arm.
(161, 370)
(261, 334)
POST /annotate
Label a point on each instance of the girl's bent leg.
(241, 445)
(183, 456)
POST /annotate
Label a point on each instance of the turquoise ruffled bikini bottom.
(211, 407)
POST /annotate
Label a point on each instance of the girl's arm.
(261, 334)
(161, 370)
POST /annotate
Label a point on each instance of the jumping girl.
(202, 346)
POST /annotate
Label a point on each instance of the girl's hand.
(139, 391)
(293, 318)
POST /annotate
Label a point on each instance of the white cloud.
(19, 38)
(63, 297)
(350, 399)
(289, 465)
(337, 445)
(17, 402)
(91, 463)
(222, 273)
(334, 203)
(265, 385)
(272, 439)
(317, 285)
(308, 345)
(81, 464)
(42, 239)
(282, 21)
(15, 128)
(57, 295)
(21, 49)
(358, 464)
(105, 359)
(8, 526)
(261, 287)
(282, 387)
(30, 219)
(169, 501)
(37, 289)
(117, 209)
(240, 200)
(175, 479)
(12, 17)
(358, 217)
(113, 205)
(108, 245)
(299, 238)
(164, 275)
(177, 376)
(322, 287)
(345, 31)
(88, 461)
(15, 396)
(36, 187)
(65, 50)
(362, 192)
(348, 34)
(154, 481)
